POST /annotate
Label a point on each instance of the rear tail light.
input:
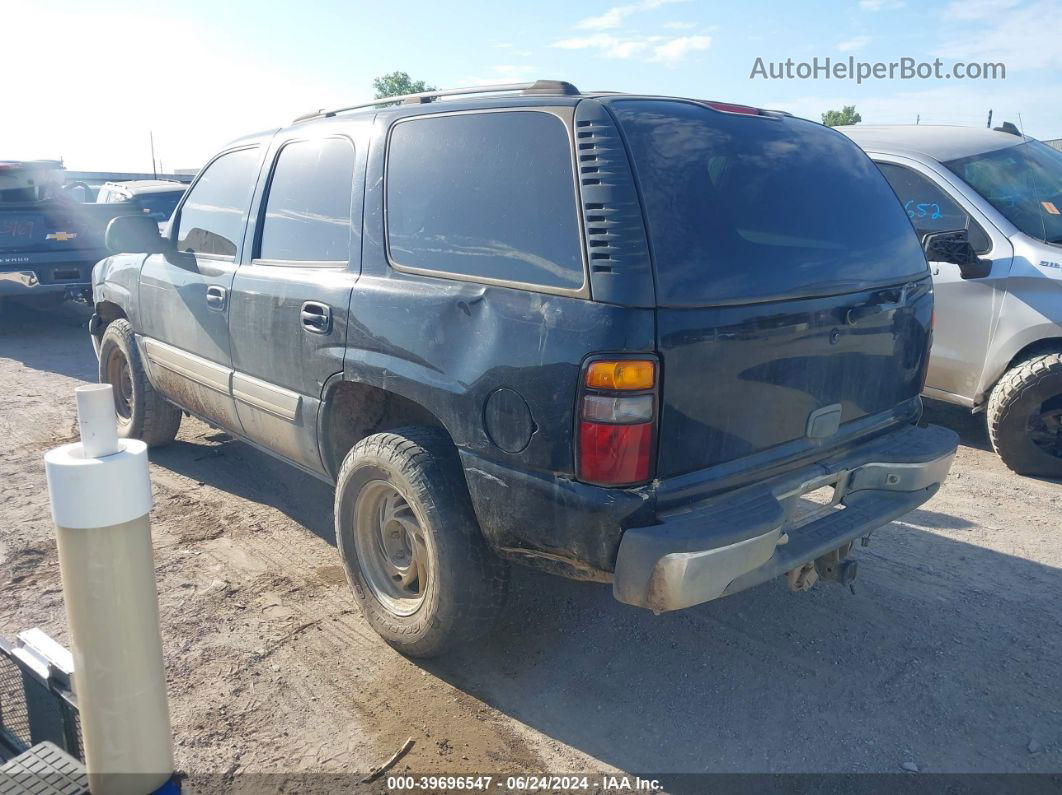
(617, 422)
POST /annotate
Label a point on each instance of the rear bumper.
(57, 277)
(740, 539)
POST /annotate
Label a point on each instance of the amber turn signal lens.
(622, 374)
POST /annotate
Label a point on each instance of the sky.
(89, 81)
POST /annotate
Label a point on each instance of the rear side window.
(307, 214)
(485, 195)
(748, 208)
(213, 216)
(930, 208)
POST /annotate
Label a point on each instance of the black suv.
(617, 337)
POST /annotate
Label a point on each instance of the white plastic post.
(100, 495)
(95, 420)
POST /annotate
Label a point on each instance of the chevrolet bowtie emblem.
(61, 236)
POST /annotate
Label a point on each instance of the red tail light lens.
(616, 428)
(615, 454)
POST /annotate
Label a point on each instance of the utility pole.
(154, 173)
(989, 125)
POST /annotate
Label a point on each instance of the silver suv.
(987, 205)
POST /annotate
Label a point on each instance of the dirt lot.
(946, 656)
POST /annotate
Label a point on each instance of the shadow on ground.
(971, 427)
(43, 339)
(944, 656)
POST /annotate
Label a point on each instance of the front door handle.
(215, 297)
(316, 317)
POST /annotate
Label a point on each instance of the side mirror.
(135, 234)
(955, 247)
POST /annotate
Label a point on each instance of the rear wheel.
(1025, 417)
(142, 412)
(414, 555)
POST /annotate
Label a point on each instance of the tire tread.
(476, 578)
(1006, 414)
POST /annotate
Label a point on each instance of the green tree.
(396, 84)
(846, 115)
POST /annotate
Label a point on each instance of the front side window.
(307, 215)
(213, 216)
(1023, 182)
(930, 208)
(485, 195)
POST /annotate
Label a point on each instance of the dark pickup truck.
(672, 345)
(48, 242)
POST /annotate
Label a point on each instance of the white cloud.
(609, 46)
(674, 51)
(614, 17)
(854, 43)
(503, 73)
(977, 9)
(1023, 38)
(880, 5)
(654, 49)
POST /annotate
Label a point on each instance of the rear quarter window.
(485, 196)
(749, 208)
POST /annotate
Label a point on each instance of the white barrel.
(100, 507)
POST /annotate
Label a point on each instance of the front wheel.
(414, 555)
(142, 412)
(1025, 417)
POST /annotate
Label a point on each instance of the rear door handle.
(316, 317)
(215, 297)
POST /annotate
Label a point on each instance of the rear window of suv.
(749, 208)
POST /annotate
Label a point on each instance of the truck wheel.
(414, 555)
(142, 412)
(1025, 417)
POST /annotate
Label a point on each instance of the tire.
(418, 564)
(142, 412)
(1025, 417)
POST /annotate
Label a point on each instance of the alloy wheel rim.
(1045, 427)
(392, 548)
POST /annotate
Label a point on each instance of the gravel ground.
(945, 658)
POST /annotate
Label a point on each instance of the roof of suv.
(939, 142)
(539, 93)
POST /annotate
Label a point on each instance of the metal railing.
(36, 701)
(536, 87)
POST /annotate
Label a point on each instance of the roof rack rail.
(537, 87)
